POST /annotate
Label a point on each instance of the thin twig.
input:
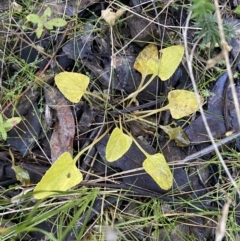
(209, 149)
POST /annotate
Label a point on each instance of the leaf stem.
(147, 113)
(137, 144)
(94, 95)
(12, 157)
(91, 145)
(140, 88)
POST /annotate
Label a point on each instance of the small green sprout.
(42, 21)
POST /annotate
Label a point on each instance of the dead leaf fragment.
(176, 134)
(141, 30)
(221, 228)
(110, 17)
(16, 7)
(64, 128)
(21, 175)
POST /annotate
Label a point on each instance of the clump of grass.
(203, 14)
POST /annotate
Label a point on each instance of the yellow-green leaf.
(182, 103)
(47, 12)
(176, 134)
(157, 167)
(34, 18)
(237, 10)
(72, 85)
(10, 123)
(118, 144)
(39, 31)
(140, 64)
(21, 175)
(55, 22)
(171, 57)
(61, 176)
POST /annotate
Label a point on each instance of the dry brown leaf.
(64, 129)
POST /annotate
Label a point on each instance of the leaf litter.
(84, 64)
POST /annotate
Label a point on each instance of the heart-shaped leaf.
(157, 167)
(61, 176)
(140, 64)
(181, 103)
(72, 85)
(118, 144)
(148, 61)
(171, 57)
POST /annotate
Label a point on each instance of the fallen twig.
(210, 148)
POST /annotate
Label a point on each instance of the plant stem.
(95, 96)
(137, 144)
(211, 148)
(140, 88)
(91, 145)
